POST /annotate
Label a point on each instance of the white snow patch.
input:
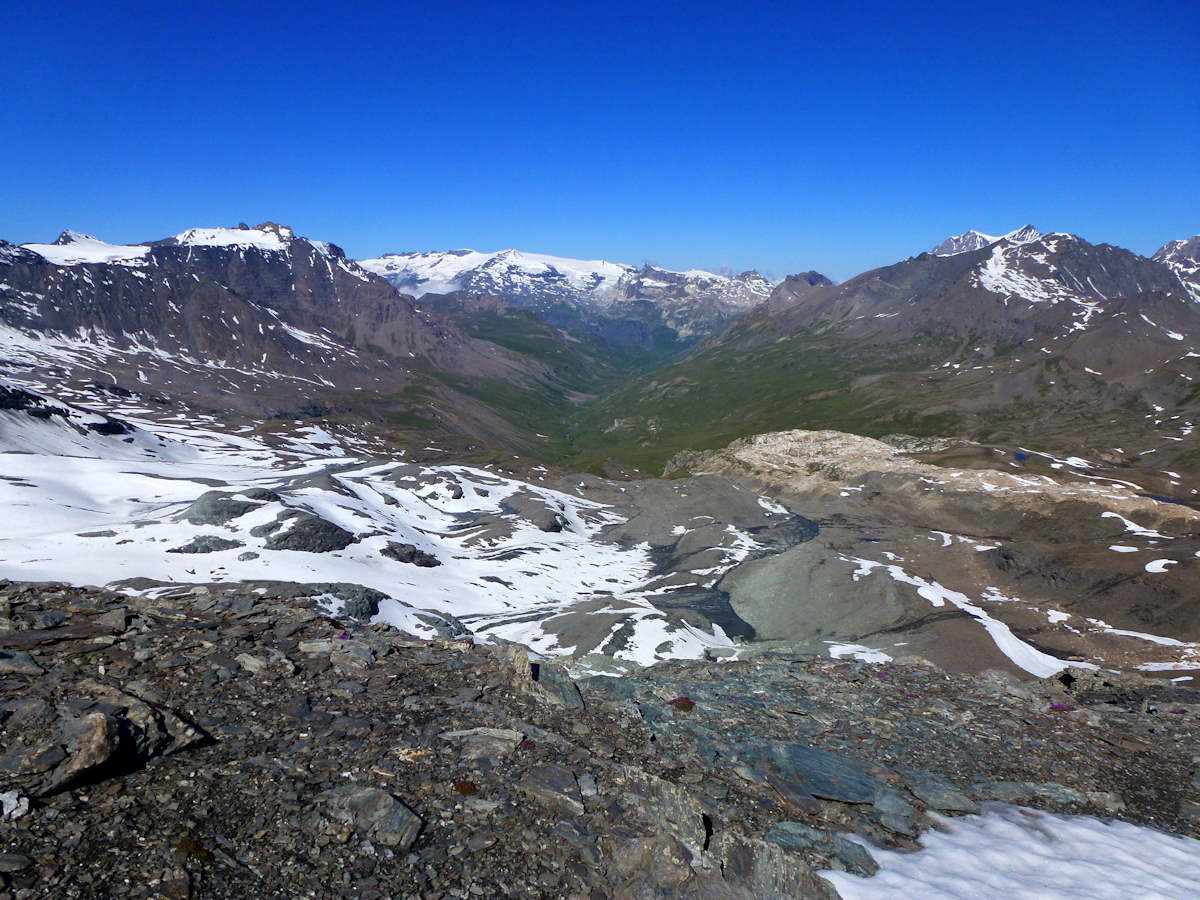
(1010, 852)
(80, 248)
(857, 651)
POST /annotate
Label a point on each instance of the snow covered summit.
(977, 240)
(504, 272)
(73, 247)
(615, 299)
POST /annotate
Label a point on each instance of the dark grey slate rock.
(18, 662)
(558, 686)
(220, 507)
(798, 836)
(408, 553)
(555, 785)
(823, 774)
(938, 794)
(14, 862)
(374, 813)
(890, 801)
(301, 530)
(207, 543)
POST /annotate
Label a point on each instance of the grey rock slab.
(890, 801)
(376, 814)
(855, 858)
(408, 553)
(304, 531)
(250, 663)
(938, 794)
(14, 862)
(480, 743)
(823, 774)
(558, 686)
(207, 543)
(555, 785)
(587, 785)
(13, 805)
(216, 508)
(18, 662)
(809, 592)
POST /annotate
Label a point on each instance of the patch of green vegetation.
(705, 401)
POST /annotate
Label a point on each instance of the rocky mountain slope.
(976, 240)
(239, 741)
(650, 307)
(911, 556)
(1055, 343)
(261, 323)
(1184, 257)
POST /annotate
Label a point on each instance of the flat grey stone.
(555, 785)
(14, 862)
(940, 795)
(823, 774)
(18, 662)
(480, 743)
(376, 814)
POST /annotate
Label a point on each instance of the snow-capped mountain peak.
(599, 293)
(1182, 255)
(510, 273)
(74, 248)
(976, 240)
(267, 236)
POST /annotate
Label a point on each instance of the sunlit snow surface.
(93, 509)
(1010, 852)
(84, 248)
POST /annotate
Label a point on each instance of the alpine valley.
(700, 512)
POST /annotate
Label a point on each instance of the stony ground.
(222, 742)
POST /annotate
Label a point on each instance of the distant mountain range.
(996, 338)
(647, 306)
(1044, 339)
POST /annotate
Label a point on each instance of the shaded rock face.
(305, 531)
(907, 547)
(418, 765)
(102, 732)
(207, 543)
(408, 553)
(221, 507)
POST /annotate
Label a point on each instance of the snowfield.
(1012, 852)
(92, 508)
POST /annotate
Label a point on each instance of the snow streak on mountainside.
(977, 240)
(1184, 257)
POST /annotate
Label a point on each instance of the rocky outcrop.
(221, 741)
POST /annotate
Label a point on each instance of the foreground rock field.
(217, 742)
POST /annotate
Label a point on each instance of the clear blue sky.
(776, 135)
